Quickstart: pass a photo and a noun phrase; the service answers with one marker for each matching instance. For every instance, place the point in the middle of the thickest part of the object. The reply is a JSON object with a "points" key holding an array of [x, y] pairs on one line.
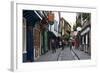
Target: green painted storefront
{"points": [[44, 42]]}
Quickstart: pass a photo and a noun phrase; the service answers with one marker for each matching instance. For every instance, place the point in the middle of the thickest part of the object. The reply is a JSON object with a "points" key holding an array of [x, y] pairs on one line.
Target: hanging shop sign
{"points": [[51, 18], [44, 21]]}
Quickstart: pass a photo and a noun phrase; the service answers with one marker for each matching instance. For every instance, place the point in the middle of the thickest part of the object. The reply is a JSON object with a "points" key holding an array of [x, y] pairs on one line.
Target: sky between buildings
{"points": [[68, 16]]}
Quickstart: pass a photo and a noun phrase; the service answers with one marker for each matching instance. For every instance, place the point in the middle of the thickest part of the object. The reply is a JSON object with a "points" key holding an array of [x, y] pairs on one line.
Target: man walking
{"points": [[53, 44]]}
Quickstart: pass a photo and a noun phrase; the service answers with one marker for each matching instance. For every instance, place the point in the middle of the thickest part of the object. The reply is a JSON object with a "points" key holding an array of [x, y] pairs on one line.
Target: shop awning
{"points": [[31, 17]]}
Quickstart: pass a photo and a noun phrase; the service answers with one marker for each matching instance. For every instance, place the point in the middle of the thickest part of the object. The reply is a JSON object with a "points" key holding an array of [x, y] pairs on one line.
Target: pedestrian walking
{"points": [[57, 43], [70, 44], [63, 44], [53, 44], [60, 44]]}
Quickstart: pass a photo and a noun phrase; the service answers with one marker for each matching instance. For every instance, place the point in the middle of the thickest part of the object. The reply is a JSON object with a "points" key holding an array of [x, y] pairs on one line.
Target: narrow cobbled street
{"points": [[65, 54]]}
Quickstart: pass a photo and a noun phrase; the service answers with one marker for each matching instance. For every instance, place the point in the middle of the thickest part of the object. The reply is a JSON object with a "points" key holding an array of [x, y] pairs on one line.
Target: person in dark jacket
{"points": [[63, 44], [53, 45], [60, 44], [70, 44]]}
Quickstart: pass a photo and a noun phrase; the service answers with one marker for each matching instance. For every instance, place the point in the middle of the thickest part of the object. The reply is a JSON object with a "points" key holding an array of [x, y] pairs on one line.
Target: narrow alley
{"points": [[56, 36]]}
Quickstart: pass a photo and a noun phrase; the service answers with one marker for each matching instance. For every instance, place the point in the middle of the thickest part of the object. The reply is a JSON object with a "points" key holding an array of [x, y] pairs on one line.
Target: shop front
{"points": [[44, 42], [31, 20], [86, 40]]}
